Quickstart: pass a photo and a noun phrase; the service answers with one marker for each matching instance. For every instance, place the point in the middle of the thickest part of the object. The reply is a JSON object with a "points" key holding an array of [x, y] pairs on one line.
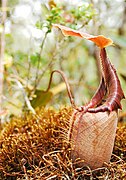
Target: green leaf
{"points": [[123, 76], [41, 99], [120, 40]]}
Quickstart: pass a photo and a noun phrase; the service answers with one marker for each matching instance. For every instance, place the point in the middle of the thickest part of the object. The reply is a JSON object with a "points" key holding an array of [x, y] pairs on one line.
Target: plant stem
{"points": [[2, 49], [53, 58], [39, 60], [29, 68], [29, 62]]}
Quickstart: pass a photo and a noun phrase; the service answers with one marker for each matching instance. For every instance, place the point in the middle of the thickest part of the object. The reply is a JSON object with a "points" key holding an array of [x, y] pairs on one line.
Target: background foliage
{"points": [[33, 49]]}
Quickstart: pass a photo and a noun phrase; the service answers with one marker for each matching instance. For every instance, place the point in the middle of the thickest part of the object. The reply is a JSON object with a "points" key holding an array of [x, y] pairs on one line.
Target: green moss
{"points": [[36, 147]]}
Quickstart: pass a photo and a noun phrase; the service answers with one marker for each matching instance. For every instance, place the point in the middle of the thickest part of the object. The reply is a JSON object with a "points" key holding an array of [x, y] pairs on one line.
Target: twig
{"points": [[29, 60], [29, 67], [39, 60], [43, 72], [54, 54], [25, 96], [2, 48]]}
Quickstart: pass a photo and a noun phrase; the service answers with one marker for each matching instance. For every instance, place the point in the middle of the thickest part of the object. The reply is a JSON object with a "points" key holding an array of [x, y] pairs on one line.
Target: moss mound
{"points": [[36, 147]]}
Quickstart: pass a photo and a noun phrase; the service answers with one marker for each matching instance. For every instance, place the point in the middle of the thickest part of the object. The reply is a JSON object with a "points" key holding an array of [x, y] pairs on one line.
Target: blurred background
{"points": [[33, 48]]}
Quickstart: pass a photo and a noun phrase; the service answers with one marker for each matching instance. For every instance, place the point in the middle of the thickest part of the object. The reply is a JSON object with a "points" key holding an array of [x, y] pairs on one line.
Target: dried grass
{"points": [[37, 148]]}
